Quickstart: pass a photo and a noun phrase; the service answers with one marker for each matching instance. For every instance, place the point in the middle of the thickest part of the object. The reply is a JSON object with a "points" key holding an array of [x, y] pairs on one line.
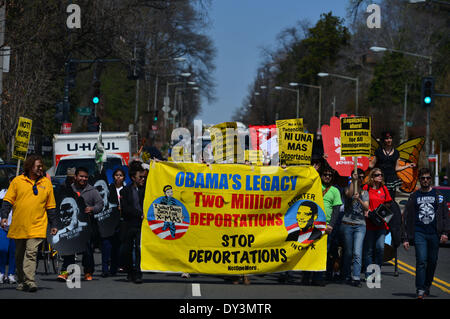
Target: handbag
{"points": [[381, 215]]}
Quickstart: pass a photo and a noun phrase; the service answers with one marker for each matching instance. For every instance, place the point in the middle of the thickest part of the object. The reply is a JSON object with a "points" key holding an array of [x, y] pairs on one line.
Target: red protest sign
{"points": [[331, 137]]}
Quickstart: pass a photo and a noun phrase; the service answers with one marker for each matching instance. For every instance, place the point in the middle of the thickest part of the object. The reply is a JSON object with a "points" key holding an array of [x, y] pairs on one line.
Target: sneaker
{"points": [[2, 278], [22, 287], [356, 283], [427, 292], [32, 287], [88, 277], [185, 275], [420, 294], [63, 275], [12, 279]]}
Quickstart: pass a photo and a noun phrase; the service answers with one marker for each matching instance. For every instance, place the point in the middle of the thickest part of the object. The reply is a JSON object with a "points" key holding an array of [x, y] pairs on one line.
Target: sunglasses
{"points": [[377, 174], [425, 178], [35, 190]]}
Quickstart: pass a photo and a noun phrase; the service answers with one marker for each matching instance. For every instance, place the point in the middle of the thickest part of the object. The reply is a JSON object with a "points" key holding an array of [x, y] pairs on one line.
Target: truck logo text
{"points": [[109, 146]]}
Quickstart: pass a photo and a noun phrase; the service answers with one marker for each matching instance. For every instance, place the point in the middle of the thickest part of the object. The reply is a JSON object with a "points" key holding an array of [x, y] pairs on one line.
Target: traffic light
{"points": [[96, 95], [155, 117], [427, 96]]}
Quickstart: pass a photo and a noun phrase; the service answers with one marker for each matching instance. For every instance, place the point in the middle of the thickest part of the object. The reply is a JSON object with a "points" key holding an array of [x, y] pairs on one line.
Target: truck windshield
{"points": [[88, 163]]}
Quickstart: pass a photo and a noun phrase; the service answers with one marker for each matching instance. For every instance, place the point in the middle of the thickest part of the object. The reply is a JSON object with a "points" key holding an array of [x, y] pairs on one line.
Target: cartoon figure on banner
{"points": [[305, 222], [169, 200], [103, 190], [69, 212], [168, 217], [108, 219]]}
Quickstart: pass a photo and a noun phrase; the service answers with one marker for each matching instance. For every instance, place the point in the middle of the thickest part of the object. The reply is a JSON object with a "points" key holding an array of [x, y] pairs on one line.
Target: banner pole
{"points": [[18, 167], [355, 171]]}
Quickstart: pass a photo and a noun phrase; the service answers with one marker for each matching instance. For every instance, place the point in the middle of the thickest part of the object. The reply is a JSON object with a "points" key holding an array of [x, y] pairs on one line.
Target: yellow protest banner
{"points": [[295, 147], [225, 143], [232, 219], [23, 134], [355, 136]]}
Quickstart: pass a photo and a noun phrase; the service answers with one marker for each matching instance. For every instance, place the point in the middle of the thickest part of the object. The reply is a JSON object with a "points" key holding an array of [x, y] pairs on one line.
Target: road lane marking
{"points": [[414, 269], [414, 274], [196, 290]]}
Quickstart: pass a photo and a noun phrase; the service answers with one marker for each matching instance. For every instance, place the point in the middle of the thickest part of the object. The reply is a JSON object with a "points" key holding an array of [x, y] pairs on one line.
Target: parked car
{"points": [[6, 171], [445, 191]]}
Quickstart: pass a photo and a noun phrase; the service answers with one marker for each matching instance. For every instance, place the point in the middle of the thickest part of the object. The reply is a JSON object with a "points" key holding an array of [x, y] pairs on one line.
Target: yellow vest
{"points": [[29, 218]]}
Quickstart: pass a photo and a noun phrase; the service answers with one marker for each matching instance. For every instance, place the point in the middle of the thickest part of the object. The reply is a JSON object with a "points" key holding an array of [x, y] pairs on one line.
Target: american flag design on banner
{"points": [[168, 218], [157, 226]]}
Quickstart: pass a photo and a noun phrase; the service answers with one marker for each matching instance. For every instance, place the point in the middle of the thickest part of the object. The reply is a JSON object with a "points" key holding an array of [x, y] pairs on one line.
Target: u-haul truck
{"points": [[78, 149]]}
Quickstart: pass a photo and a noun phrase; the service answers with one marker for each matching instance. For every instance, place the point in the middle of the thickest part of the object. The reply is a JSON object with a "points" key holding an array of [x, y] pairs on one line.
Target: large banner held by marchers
{"points": [[232, 219]]}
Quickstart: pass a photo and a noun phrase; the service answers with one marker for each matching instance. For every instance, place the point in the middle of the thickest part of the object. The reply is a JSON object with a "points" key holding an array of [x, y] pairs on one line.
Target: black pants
{"points": [[87, 261], [131, 247]]}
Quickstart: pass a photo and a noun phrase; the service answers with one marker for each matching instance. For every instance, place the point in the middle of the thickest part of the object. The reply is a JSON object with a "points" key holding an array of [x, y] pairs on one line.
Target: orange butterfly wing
{"points": [[409, 153]]}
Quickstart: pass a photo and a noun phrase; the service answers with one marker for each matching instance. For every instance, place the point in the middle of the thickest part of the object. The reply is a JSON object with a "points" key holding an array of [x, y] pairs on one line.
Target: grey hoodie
{"points": [[91, 197]]}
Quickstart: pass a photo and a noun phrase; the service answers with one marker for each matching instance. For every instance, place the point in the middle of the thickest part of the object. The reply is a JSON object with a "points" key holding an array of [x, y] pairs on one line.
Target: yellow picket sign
{"points": [[355, 136], [232, 219], [295, 147], [22, 139], [225, 143], [255, 157]]}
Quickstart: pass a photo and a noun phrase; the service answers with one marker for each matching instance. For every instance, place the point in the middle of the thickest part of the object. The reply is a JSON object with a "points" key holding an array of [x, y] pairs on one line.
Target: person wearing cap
{"points": [[387, 159]]}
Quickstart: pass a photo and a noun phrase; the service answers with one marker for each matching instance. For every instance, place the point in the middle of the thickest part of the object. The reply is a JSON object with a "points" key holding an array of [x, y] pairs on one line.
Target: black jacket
{"points": [[132, 213], [409, 218]]}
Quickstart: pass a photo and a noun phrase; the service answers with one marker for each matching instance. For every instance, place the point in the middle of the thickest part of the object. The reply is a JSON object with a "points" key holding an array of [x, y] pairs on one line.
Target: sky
{"points": [[239, 28]]}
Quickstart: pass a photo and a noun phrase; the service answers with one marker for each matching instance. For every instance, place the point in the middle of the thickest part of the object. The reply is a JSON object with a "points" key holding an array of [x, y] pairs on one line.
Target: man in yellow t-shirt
{"points": [[31, 198]]}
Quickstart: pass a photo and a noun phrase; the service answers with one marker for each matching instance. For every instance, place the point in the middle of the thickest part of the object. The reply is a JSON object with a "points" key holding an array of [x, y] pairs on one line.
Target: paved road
{"points": [[172, 286], [201, 287]]}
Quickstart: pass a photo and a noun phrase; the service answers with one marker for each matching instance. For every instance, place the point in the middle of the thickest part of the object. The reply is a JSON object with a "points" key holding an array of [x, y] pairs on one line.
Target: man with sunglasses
{"points": [[426, 223], [31, 198], [132, 204]]}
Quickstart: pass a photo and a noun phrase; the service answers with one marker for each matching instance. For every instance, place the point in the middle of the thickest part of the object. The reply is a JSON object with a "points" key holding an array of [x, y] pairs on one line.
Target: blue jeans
{"points": [[8, 257], [353, 237], [427, 248], [374, 247], [110, 254]]}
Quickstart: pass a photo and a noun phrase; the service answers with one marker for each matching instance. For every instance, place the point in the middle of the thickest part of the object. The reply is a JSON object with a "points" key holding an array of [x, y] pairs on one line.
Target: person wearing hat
{"points": [[387, 159]]}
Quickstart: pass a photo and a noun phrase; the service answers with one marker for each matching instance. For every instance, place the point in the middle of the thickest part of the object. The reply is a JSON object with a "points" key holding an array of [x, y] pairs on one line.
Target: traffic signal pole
{"points": [[427, 139]]}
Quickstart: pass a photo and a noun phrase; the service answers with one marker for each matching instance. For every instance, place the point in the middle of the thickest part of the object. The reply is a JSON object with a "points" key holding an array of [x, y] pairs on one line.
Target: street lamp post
{"points": [[430, 70], [292, 90], [320, 98], [322, 74], [181, 100]]}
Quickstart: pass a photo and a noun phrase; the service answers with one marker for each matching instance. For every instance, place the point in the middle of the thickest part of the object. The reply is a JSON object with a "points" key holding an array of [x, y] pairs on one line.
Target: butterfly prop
{"points": [[409, 153]]}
